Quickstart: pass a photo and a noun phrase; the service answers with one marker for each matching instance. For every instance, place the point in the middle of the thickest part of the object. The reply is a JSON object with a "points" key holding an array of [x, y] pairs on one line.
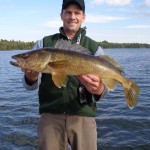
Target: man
{"points": [[68, 113]]}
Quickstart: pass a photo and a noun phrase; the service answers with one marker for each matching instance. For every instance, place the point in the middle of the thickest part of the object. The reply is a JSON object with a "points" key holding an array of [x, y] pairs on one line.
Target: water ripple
{"points": [[119, 128]]}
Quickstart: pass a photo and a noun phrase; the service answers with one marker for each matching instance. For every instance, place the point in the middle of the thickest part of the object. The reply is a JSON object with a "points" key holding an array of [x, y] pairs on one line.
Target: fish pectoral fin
{"points": [[58, 64], [112, 61], [59, 79], [109, 83]]}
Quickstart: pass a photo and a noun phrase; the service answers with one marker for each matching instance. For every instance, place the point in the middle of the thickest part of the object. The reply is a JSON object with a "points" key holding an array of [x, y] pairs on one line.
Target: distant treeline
{"points": [[20, 45], [106, 44], [15, 45]]}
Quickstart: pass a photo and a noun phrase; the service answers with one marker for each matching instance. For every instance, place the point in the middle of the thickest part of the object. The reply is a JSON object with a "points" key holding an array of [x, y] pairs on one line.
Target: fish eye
{"points": [[25, 56]]}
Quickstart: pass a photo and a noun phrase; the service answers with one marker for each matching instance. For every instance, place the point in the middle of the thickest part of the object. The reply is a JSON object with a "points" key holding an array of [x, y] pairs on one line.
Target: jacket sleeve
{"points": [[99, 51], [38, 44], [96, 98], [31, 87]]}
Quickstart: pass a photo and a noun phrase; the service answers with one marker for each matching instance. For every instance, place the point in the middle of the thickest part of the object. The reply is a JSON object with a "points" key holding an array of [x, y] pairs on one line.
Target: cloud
{"points": [[147, 3], [97, 1], [112, 2], [6, 1], [53, 23], [142, 14], [138, 27], [102, 19]]}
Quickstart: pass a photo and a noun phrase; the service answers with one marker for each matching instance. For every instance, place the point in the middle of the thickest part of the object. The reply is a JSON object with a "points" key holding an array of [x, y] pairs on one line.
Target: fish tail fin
{"points": [[131, 93]]}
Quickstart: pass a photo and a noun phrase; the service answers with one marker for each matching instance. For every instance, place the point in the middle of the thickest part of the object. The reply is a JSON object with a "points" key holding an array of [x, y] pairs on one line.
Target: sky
{"points": [[120, 21]]}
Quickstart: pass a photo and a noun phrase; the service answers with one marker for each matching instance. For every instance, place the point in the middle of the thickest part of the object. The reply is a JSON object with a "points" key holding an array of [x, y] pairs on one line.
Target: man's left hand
{"points": [[92, 83]]}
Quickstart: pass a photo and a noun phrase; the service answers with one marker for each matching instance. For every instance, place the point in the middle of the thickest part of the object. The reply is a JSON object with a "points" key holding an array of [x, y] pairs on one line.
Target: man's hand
{"points": [[92, 83], [30, 75]]}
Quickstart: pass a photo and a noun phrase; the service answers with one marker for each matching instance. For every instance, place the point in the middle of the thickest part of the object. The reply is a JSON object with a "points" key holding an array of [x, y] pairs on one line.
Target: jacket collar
{"points": [[81, 32]]}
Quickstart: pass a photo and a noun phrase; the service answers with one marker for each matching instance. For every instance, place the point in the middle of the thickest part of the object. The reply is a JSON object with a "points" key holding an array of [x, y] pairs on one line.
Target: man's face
{"points": [[72, 18]]}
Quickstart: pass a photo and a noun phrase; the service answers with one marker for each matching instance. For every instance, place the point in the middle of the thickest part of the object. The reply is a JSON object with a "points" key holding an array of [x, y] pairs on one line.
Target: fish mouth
{"points": [[14, 64]]}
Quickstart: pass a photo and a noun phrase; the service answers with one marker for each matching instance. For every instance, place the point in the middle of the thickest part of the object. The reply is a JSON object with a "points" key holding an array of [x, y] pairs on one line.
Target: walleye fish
{"points": [[71, 59]]}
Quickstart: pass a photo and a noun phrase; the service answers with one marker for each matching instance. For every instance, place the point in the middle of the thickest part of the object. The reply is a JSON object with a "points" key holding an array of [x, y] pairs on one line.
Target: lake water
{"points": [[119, 128]]}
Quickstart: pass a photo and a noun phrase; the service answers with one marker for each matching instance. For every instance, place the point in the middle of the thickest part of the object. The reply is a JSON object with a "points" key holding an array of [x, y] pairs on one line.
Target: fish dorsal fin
{"points": [[67, 45], [112, 61]]}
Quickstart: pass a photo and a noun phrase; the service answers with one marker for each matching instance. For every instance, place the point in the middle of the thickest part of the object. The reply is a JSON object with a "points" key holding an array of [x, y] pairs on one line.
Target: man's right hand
{"points": [[30, 76]]}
